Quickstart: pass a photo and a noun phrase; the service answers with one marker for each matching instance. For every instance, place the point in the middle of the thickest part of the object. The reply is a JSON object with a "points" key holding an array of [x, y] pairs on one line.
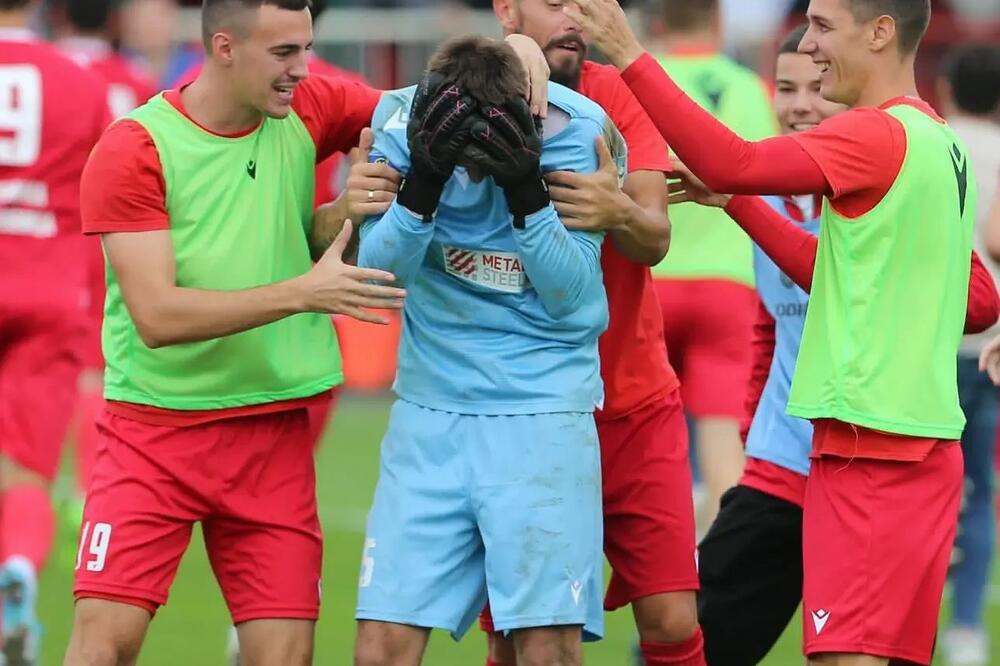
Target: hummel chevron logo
{"points": [[575, 588], [819, 619], [961, 165], [252, 169]]}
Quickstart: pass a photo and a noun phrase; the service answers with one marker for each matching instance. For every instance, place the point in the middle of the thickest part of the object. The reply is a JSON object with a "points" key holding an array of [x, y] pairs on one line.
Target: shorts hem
{"points": [[135, 600], [627, 598], [409, 620], [870, 649], [120, 591], [515, 623], [311, 614]]}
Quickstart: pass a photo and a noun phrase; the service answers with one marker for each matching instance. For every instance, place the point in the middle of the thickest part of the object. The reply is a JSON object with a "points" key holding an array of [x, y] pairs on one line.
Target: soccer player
{"points": [[705, 285], [490, 468], [84, 31], [44, 143], [750, 562], [216, 337], [969, 89], [648, 536], [876, 369]]}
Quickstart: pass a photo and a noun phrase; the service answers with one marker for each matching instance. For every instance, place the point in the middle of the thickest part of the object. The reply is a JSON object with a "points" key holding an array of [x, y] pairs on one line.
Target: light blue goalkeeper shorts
{"points": [[468, 505]]}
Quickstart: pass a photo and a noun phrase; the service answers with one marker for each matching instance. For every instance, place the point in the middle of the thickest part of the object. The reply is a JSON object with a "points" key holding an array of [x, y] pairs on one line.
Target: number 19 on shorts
{"points": [[96, 542]]}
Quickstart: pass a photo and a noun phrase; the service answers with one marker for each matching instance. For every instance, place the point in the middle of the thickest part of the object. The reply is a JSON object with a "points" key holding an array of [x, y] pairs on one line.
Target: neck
{"points": [[888, 83], [211, 103], [15, 18], [983, 118], [703, 39]]}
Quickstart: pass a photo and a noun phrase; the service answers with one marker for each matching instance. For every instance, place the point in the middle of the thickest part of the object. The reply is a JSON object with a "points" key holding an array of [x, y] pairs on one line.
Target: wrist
{"points": [[625, 55], [298, 294], [420, 193], [526, 197]]}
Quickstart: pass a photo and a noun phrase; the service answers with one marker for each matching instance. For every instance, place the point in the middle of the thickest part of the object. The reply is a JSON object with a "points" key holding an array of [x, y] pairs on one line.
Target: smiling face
{"points": [[798, 101], [840, 46], [267, 56], [559, 36]]}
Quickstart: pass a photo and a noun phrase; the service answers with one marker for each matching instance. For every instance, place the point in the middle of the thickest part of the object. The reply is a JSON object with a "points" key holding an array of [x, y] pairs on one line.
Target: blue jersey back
{"points": [[774, 435], [482, 333]]}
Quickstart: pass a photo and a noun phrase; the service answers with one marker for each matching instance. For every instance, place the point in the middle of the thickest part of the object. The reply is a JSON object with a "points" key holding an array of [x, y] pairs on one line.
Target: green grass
{"points": [[191, 629]]}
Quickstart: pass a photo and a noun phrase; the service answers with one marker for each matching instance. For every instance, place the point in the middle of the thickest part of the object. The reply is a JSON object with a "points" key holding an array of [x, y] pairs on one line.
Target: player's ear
{"points": [[222, 47], [883, 34], [506, 13]]}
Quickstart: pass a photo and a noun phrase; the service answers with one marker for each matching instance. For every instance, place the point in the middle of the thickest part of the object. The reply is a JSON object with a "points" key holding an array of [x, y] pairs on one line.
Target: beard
{"points": [[566, 71]]}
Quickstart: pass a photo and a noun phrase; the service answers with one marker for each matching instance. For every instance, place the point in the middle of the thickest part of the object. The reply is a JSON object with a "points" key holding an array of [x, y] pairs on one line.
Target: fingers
{"points": [[569, 210], [567, 179], [569, 195], [679, 198], [676, 186], [362, 315], [373, 275], [340, 242], [539, 87]]}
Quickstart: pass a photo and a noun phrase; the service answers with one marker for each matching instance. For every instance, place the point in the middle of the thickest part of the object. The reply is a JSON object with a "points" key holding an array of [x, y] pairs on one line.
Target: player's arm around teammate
{"points": [[634, 214]]}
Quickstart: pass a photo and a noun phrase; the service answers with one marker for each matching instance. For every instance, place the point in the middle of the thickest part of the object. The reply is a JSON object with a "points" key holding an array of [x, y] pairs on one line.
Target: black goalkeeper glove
{"points": [[436, 137], [507, 145]]}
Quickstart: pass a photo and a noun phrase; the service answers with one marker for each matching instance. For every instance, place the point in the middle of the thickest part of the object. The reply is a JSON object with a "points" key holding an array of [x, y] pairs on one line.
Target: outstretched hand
{"points": [[605, 25], [684, 187]]}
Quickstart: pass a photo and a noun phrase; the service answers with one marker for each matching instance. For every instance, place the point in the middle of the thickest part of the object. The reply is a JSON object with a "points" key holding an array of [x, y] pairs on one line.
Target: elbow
{"points": [[152, 331]]}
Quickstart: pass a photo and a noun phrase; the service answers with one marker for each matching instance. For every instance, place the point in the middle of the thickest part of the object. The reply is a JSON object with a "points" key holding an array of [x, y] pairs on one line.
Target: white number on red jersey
{"points": [[100, 539], [20, 115]]}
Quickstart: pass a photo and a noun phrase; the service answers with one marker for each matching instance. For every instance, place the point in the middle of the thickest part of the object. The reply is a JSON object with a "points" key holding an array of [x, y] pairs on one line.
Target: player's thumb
{"points": [[339, 244], [365, 144], [605, 161]]}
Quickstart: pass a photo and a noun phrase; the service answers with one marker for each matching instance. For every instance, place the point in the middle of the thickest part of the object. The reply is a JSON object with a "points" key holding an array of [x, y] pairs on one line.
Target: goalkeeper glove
{"points": [[436, 133], [507, 145]]}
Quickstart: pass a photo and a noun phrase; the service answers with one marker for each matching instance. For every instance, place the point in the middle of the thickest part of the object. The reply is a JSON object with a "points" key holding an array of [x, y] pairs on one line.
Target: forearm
{"points": [[721, 159], [397, 243], [560, 264], [179, 315], [644, 235], [790, 246]]}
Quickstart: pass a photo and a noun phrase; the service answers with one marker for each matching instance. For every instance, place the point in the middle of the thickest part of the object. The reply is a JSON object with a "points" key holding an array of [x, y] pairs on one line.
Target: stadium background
{"points": [[388, 42]]}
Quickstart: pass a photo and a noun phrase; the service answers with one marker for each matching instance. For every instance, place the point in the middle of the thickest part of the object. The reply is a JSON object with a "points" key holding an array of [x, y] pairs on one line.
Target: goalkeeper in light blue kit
{"points": [[490, 468]]}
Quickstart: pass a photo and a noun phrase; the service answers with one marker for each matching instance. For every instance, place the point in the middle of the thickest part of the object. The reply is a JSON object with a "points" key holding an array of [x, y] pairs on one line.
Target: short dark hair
{"points": [[790, 44], [88, 14], [973, 72], [8, 5], [215, 13], [681, 15], [487, 69], [911, 16]]}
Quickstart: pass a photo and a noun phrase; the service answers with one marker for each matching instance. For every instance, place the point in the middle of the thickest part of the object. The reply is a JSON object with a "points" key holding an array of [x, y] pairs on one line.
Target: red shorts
{"points": [[877, 539], [40, 365], [249, 480], [708, 326], [649, 533]]}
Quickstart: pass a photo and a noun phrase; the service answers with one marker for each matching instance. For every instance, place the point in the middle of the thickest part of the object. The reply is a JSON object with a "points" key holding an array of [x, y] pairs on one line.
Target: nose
{"points": [[803, 102], [808, 44], [299, 66]]}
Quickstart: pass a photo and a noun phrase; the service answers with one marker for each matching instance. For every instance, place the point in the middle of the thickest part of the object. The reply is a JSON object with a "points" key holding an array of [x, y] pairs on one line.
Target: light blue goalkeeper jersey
{"points": [[497, 320]]}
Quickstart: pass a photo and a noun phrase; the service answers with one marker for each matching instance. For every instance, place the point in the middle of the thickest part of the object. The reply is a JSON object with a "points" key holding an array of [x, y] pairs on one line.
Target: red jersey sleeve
{"points": [[763, 351], [984, 302], [334, 110], [860, 153], [122, 187], [647, 150]]}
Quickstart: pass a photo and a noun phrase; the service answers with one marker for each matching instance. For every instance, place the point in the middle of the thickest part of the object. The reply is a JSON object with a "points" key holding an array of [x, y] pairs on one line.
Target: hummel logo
{"points": [[961, 166], [252, 169], [819, 619], [575, 588]]}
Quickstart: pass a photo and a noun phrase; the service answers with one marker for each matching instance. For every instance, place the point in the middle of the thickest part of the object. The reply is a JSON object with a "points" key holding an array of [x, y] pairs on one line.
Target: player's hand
{"points": [[593, 201], [536, 68], [371, 187], [334, 287], [684, 187], [989, 360], [507, 145], [604, 23], [437, 133]]}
